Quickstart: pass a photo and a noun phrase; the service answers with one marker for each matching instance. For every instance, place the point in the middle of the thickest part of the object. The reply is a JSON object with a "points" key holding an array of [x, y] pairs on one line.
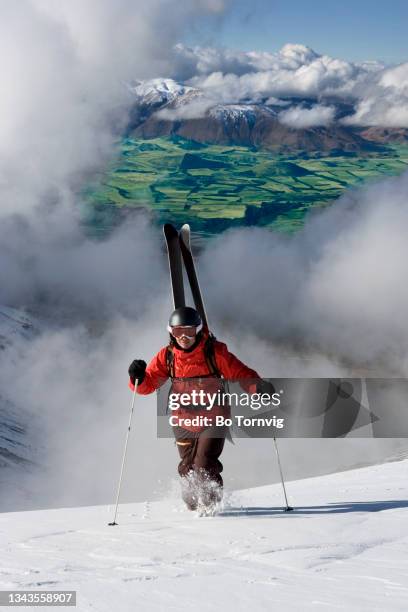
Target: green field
{"points": [[215, 187]]}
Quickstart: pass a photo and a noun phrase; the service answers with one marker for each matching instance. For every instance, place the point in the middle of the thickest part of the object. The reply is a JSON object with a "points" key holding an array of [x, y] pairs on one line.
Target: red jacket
{"points": [[193, 364], [189, 364]]}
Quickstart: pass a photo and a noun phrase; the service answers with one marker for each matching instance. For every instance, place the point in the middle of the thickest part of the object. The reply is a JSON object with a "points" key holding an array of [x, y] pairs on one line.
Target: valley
{"points": [[216, 187]]}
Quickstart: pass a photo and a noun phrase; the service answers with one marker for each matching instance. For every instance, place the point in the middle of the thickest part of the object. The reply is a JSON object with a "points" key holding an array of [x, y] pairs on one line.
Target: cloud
{"points": [[194, 61], [336, 287], [384, 111], [327, 301], [395, 78], [374, 94], [64, 99], [47, 265], [299, 117], [65, 69], [187, 109], [295, 70]]}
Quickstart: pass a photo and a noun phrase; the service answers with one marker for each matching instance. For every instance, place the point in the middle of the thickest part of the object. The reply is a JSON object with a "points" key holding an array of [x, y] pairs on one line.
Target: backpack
{"points": [[209, 354]]}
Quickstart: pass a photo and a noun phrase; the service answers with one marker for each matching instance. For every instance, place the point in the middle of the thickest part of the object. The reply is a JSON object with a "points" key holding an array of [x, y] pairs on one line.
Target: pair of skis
{"points": [[179, 253]]}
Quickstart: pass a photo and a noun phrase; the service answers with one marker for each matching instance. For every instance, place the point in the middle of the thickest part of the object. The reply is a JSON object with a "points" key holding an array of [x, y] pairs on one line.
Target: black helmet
{"points": [[185, 316]]}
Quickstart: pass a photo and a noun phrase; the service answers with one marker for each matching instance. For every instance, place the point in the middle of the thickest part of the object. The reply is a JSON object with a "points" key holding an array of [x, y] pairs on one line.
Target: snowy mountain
{"points": [[164, 107], [158, 91], [14, 324], [17, 453], [344, 547]]}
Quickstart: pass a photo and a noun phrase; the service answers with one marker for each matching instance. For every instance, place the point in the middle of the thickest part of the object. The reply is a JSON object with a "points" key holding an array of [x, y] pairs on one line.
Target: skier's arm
{"points": [[155, 375], [234, 369], [231, 367]]}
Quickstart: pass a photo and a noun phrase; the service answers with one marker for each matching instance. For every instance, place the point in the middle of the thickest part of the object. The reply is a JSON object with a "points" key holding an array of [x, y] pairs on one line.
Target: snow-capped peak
{"points": [[155, 91], [235, 112]]}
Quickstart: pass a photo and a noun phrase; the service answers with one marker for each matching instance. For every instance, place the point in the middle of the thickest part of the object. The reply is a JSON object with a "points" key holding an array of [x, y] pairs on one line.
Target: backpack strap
{"points": [[170, 360], [209, 353]]}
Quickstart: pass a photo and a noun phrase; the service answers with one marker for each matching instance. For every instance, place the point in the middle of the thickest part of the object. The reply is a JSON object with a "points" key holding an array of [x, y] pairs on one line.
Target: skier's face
{"points": [[184, 336]]}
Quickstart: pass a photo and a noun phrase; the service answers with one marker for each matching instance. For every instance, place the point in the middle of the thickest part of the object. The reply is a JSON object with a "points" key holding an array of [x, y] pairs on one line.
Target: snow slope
{"points": [[19, 431], [344, 547], [14, 324]]}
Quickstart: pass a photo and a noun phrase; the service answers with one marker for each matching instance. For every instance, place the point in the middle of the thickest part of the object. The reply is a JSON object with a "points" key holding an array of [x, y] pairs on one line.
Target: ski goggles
{"points": [[188, 331]]}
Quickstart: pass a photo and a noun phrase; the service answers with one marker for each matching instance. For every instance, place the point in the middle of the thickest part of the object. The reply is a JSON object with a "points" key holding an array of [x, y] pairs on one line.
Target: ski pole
{"points": [[288, 508], [124, 455]]}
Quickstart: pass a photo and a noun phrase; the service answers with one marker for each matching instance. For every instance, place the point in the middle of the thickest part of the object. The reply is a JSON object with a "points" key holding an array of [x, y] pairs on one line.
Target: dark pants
{"points": [[200, 467]]}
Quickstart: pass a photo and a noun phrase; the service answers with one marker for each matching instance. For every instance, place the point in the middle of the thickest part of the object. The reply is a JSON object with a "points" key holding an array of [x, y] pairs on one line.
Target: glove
{"points": [[263, 386], [137, 370]]}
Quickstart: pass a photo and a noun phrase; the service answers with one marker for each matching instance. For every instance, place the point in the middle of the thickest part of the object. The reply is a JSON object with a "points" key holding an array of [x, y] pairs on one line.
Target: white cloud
{"points": [[299, 117], [191, 108], [378, 93], [385, 110], [297, 54], [64, 67], [295, 70], [396, 77], [63, 101], [337, 286]]}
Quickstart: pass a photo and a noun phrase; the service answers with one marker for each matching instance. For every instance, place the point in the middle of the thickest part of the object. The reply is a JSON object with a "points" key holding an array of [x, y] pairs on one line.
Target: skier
{"points": [[193, 352]]}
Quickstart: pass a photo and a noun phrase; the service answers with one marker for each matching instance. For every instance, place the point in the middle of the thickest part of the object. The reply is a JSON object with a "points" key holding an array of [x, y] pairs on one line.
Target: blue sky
{"points": [[350, 29]]}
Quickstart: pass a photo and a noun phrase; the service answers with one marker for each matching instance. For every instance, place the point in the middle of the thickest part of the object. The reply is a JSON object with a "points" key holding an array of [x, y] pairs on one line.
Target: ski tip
{"points": [[169, 230], [185, 234]]}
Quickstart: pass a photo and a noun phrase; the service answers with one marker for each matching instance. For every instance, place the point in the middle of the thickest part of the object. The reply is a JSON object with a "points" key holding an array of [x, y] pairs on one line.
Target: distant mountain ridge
{"points": [[164, 107]]}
